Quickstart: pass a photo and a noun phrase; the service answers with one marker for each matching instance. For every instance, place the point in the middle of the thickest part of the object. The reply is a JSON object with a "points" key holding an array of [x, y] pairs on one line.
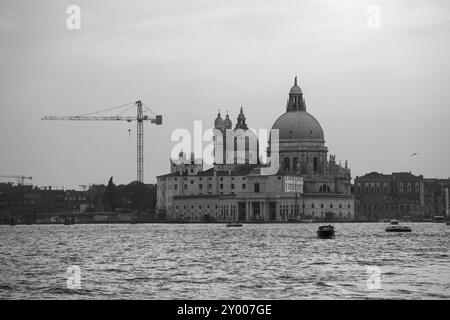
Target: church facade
{"points": [[308, 184]]}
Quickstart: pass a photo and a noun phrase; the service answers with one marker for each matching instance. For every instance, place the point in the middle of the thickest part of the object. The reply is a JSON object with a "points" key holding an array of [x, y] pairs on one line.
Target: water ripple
{"points": [[210, 261]]}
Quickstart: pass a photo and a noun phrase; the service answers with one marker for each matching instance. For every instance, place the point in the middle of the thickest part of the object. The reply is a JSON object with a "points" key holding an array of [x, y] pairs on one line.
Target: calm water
{"points": [[210, 261]]}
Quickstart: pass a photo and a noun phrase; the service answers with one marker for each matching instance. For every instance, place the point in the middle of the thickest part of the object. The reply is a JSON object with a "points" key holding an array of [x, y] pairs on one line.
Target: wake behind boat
{"points": [[398, 229]]}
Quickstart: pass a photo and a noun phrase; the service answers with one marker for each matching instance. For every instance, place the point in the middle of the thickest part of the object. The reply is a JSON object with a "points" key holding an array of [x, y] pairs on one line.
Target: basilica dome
{"points": [[298, 125]]}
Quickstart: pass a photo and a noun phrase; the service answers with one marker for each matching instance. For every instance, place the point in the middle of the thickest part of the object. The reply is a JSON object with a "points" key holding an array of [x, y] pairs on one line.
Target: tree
{"points": [[110, 195]]}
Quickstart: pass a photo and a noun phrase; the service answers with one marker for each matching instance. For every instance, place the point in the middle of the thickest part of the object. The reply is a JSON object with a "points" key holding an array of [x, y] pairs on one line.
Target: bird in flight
{"points": [[414, 154]]}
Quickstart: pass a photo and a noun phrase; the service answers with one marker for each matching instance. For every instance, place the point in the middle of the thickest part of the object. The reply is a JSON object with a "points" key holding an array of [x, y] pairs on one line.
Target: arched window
{"points": [[295, 164], [287, 164], [324, 188], [315, 164]]}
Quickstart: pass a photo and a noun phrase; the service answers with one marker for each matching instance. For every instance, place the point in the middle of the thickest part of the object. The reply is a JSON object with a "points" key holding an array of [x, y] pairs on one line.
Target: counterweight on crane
{"points": [[140, 118]]}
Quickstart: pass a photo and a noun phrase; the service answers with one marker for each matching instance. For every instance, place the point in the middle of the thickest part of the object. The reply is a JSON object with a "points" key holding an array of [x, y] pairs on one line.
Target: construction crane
{"points": [[20, 179], [139, 118]]}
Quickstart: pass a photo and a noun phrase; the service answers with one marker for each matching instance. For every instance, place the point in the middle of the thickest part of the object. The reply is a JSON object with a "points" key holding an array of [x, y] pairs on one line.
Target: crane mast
{"points": [[139, 118], [140, 142]]}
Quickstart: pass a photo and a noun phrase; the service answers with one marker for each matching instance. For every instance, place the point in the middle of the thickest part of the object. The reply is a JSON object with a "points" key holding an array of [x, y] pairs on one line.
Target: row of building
{"points": [[400, 195], [309, 184], [30, 204]]}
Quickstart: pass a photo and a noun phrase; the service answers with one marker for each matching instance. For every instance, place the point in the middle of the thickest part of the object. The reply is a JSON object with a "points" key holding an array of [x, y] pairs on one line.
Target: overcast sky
{"points": [[379, 94]]}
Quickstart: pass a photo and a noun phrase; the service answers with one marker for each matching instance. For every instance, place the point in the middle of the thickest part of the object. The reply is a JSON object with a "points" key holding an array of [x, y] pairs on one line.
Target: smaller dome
{"points": [[218, 121], [228, 124], [295, 89]]}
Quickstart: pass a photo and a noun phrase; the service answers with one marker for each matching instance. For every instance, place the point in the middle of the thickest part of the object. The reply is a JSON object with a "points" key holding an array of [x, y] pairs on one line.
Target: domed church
{"points": [[302, 149], [308, 186]]}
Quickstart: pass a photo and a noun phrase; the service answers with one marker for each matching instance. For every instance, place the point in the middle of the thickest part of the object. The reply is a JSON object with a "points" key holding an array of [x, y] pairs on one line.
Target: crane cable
{"points": [[107, 109], [148, 109]]}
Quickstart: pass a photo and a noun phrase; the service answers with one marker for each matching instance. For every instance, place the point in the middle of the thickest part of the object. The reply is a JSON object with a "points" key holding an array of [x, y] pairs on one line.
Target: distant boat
{"points": [[234, 224], [448, 223], [439, 219], [325, 232], [398, 229], [394, 222]]}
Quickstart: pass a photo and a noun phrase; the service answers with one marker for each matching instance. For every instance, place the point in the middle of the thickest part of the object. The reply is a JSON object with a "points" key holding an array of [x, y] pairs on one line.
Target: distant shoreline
{"points": [[198, 222]]}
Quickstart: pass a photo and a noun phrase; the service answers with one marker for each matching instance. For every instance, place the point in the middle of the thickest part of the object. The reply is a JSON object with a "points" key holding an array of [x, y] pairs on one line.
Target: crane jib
{"points": [[140, 118]]}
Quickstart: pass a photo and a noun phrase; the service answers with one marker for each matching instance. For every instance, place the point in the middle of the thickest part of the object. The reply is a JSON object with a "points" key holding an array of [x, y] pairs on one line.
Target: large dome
{"points": [[298, 125]]}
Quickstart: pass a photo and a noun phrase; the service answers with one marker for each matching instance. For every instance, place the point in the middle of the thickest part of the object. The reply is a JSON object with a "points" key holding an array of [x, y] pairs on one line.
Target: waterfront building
{"points": [[308, 184], [389, 196], [437, 200]]}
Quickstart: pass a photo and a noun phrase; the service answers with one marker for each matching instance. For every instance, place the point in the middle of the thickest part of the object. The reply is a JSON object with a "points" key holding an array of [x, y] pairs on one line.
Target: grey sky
{"points": [[380, 95]]}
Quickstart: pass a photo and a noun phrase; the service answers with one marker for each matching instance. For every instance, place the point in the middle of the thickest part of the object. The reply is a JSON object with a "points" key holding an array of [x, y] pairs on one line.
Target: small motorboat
{"points": [[325, 232], [394, 222], [234, 224], [397, 228]]}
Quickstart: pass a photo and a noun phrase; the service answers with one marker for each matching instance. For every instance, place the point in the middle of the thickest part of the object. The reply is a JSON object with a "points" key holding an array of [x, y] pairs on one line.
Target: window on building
{"points": [[256, 187], [321, 205], [185, 186], [175, 187], [295, 164], [417, 187], [408, 187], [221, 186], [232, 186], [401, 187], [200, 186], [315, 164], [243, 186], [287, 164], [209, 186]]}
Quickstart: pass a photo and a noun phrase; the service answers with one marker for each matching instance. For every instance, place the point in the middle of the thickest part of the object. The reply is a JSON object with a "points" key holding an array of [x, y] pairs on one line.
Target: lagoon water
{"points": [[211, 261]]}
